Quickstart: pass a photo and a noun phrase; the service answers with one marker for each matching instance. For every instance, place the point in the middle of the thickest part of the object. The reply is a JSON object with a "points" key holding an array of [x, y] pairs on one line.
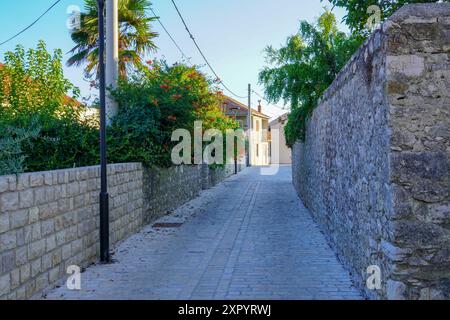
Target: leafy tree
{"points": [[33, 81], [34, 94], [135, 36], [358, 13], [301, 70]]}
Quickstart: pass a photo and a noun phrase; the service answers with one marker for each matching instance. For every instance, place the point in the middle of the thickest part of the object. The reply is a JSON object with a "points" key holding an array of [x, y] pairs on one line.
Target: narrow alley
{"points": [[250, 237]]}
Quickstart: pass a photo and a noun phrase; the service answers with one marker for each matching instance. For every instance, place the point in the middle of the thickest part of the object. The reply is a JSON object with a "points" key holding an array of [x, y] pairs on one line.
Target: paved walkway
{"points": [[248, 238]]}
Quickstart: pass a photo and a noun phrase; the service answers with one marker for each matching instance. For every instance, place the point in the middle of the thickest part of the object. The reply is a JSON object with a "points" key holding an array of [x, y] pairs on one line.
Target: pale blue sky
{"points": [[232, 33]]}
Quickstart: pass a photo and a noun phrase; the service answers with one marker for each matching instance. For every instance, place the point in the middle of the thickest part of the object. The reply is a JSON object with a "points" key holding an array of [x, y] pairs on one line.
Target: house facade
{"points": [[280, 153], [260, 138]]}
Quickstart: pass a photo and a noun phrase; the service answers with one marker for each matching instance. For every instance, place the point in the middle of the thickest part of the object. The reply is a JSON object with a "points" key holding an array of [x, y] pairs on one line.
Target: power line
{"points": [[201, 53], [170, 36], [32, 24]]}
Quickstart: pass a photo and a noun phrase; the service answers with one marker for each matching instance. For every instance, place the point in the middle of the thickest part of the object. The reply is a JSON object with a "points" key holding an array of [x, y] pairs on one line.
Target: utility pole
{"points": [[112, 55], [249, 126], [104, 201]]}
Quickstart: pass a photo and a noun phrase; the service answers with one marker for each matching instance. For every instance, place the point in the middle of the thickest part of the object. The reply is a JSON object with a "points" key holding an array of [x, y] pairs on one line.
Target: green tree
{"points": [[358, 13], [33, 81], [35, 94], [135, 36], [301, 70]]}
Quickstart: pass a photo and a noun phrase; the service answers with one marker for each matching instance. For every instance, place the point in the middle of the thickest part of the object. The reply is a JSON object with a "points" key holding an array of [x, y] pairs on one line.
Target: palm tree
{"points": [[135, 36]]}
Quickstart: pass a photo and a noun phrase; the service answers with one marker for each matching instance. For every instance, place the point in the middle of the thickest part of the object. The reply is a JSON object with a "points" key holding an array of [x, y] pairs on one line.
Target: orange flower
{"points": [[154, 101], [165, 87], [176, 97], [192, 75]]}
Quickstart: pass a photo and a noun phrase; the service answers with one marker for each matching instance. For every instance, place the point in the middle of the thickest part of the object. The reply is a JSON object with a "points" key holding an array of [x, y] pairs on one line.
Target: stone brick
{"points": [[50, 243], [66, 251], [25, 272], [56, 257], [4, 223], [19, 218], [36, 249], [26, 198], [36, 179], [4, 184], [408, 65], [9, 201], [15, 278], [63, 177], [23, 181], [34, 215], [21, 256], [54, 274], [73, 189], [47, 227], [48, 178], [39, 196], [42, 281], [47, 261], [48, 210], [8, 260], [5, 284], [36, 267], [30, 288], [8, 240]]}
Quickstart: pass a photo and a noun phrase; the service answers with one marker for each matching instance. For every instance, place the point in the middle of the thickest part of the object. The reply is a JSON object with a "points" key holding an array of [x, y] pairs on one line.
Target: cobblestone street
{"points": [[247, 238]]}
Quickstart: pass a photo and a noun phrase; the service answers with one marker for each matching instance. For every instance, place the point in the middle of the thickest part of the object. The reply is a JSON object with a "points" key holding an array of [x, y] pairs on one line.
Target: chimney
{"points": [[259, 107]]}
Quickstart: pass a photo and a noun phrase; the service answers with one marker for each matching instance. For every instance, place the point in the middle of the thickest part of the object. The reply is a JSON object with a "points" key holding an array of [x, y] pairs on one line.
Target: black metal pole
{"points": [[104, 206]]}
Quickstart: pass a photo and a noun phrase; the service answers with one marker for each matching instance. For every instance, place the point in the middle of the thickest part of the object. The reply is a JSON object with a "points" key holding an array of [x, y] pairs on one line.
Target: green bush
{"points": [[12, 140]]}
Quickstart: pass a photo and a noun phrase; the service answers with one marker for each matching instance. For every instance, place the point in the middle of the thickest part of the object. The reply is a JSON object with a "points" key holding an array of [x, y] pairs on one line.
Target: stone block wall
{"points": [[167, 189], [375, 166], [50, 220]]}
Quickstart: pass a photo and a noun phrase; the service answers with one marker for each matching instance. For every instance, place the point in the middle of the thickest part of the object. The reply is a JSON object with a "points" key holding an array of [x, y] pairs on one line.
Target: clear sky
{"points": [[232, 33]]}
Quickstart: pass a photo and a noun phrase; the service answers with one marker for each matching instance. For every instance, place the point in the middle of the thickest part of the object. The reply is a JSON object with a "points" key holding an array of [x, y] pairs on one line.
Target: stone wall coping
{"points": [[81, 173]]}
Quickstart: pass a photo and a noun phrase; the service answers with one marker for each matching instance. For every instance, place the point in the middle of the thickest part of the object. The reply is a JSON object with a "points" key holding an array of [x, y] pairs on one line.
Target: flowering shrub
{"points": [[155, 102]]}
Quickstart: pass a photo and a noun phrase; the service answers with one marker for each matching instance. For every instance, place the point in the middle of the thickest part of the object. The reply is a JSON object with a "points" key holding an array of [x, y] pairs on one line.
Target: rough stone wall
{"points": [[374, 169], [49, 221]]}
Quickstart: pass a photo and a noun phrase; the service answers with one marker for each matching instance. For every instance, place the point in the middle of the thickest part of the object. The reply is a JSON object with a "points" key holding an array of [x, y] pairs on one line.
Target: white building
{"points": [[260, 143], [280, 154]]}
